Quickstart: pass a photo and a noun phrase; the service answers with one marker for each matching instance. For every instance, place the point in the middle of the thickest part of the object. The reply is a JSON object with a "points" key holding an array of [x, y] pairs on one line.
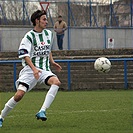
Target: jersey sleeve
{"points": [[25, 47]]}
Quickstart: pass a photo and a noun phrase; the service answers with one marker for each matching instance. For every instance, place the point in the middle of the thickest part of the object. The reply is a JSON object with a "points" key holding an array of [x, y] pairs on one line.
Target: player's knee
{"points": [[56, 82], [18, 96]]}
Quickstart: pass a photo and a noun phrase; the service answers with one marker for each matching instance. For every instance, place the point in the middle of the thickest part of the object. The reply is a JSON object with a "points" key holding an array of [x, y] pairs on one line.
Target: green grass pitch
{"points": [[72, 112]]}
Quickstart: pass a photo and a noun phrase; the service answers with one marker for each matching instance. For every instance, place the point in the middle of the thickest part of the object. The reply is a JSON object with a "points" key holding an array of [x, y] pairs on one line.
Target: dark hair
{"points": [[36, 15]]}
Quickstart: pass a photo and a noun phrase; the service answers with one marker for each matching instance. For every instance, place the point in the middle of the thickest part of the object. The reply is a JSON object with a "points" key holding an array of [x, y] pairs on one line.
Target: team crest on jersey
{"points": [[43, 43]]}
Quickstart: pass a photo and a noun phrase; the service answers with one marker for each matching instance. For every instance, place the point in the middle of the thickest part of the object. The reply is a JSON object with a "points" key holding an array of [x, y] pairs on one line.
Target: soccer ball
{"points": [[102, 65]]}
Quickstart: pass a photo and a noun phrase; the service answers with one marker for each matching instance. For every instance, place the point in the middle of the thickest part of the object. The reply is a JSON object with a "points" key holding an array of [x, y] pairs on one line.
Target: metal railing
{"points": [[69, 61]]}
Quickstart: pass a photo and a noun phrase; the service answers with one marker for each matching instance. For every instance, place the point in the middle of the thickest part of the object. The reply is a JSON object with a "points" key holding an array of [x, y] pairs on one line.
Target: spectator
{"points": [[59, 27]]}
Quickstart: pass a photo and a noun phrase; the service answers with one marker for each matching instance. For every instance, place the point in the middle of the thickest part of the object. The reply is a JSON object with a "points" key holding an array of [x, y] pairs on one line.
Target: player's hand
{"points": [[36, 73], [57, 66]]}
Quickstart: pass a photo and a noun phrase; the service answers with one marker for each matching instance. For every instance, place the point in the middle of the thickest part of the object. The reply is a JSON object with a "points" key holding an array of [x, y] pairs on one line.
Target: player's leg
{"points": [[25, 83], [54, 83], [12, 102]]}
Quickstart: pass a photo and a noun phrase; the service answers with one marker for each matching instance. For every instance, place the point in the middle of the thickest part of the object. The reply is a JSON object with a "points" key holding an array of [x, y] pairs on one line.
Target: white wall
{"points": [[80, 38]]}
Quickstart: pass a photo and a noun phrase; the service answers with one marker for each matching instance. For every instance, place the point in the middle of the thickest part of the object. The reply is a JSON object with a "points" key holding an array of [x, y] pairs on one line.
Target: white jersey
{"points": [[38, 47]]}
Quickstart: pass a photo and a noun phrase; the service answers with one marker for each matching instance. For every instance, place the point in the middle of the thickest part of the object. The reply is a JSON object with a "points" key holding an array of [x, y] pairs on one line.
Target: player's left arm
{"points": [[56, 65]]}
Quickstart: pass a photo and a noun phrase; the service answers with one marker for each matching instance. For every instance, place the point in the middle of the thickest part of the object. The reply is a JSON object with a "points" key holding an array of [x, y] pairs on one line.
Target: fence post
{"points": [[131, 8], [69, 76], [14, 74], [125, 75], [105, 46], [68, 27]]}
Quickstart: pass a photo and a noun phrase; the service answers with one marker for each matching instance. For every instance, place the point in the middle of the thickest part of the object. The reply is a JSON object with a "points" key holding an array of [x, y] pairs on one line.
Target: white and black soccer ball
{"points": [[102, 65]]}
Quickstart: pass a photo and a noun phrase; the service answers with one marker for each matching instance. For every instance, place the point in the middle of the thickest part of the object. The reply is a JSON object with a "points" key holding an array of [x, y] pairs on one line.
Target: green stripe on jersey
{"points": [[34, 39], [48, 41], [47, 61], [41, 37], [41, 63], [46, 33], [28, 37]]}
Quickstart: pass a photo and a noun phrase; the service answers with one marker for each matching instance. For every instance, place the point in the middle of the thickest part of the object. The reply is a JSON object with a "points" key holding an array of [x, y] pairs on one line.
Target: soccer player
{"points": [[35, 52]]}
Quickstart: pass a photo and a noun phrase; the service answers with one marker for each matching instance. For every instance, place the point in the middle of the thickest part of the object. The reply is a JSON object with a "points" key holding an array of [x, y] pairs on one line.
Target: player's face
{"points": [[42, 23]]}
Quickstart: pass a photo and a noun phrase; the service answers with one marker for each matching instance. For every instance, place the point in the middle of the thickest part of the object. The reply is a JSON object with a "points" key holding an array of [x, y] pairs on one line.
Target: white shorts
{"points": [[26, 76]]}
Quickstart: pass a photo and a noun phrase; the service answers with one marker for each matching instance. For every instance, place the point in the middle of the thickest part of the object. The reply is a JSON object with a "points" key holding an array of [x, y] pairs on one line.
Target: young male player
{"points": [[35, 51]]}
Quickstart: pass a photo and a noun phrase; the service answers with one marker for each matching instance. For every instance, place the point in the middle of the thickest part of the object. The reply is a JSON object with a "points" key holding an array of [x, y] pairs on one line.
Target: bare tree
{"points": [[16, 11]]}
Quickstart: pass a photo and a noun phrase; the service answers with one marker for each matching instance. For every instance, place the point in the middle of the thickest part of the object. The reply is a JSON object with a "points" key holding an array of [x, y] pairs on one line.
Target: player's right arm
{"points": [[24, 53], [34, 69]]}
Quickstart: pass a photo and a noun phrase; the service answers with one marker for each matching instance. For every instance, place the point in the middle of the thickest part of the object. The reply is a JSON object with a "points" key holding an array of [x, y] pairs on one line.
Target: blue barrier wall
{"points": [[69, 61]]}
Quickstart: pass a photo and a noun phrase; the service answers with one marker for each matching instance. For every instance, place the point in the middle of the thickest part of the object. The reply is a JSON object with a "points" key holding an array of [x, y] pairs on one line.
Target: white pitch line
{"points": [[83, 111], [68, 112]]}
